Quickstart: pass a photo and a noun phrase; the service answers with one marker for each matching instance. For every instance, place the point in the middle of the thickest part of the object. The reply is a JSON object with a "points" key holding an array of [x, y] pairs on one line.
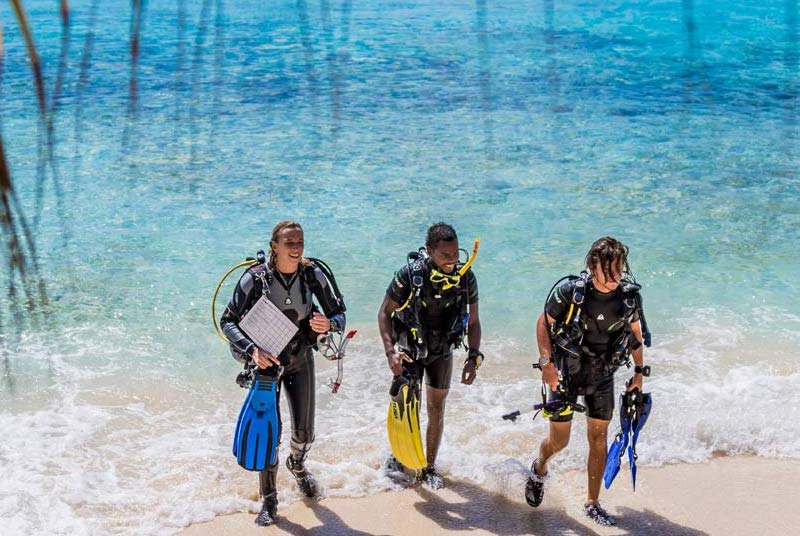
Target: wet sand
{"points": [[726, 496]]}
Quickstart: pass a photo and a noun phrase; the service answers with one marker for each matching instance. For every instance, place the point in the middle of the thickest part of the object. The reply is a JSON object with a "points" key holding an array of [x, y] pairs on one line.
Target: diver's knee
{"points": [[559, 440], [558, 444]]}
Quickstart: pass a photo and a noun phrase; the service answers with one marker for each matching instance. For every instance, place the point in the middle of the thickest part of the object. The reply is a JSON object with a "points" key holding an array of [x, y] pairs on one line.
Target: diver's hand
{"points": [[319, 323], [396, 361], [470, 372], [264, 359], [635, 382], [550, 376]]}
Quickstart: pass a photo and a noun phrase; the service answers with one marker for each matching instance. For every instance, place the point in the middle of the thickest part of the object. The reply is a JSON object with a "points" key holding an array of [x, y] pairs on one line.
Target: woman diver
{"points": [[291, 282]]}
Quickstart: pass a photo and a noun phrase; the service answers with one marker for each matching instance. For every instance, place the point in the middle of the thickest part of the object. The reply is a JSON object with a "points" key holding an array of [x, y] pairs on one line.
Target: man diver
{"points": [[291, 282], [428, 307], [590, 326]]}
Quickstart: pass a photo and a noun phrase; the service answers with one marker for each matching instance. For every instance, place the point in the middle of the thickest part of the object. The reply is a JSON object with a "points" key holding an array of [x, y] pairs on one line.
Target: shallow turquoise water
{"points": [[538, 133], [538, 126]]}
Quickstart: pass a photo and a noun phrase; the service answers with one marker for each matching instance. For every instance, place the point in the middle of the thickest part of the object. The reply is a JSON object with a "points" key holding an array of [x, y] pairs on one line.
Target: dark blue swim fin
{"points": [[258, 430], [640, 415], [617, 448]]}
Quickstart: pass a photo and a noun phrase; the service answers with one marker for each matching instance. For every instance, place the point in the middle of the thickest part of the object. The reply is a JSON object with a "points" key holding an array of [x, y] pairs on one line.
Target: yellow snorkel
{"points": [[449, 281], [468, 264]]}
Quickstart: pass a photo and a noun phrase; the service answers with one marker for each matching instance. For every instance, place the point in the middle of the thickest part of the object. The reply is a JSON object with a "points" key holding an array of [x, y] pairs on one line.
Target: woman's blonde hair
{"points": [[280, 226]]}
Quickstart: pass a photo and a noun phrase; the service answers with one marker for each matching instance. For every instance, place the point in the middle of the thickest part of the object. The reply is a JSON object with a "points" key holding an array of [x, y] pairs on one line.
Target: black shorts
{"points": [[437, 370], [437, 367], [596, 385]]}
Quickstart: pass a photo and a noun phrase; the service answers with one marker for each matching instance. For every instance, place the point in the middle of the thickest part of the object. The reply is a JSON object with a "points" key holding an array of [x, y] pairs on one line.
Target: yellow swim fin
{"points": [[402, 423]]}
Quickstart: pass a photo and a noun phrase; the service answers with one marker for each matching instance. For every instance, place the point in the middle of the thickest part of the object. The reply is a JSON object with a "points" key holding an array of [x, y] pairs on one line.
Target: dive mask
{"points": [[449, 281]]}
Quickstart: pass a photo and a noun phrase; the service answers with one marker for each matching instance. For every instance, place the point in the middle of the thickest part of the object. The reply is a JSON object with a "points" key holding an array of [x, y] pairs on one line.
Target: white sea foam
{"points": [[122, 447]]}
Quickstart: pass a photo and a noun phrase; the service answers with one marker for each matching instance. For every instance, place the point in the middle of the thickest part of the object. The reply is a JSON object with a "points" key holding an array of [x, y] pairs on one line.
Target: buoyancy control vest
{"points": [[567, 333], [262, 276], [409, 331]]}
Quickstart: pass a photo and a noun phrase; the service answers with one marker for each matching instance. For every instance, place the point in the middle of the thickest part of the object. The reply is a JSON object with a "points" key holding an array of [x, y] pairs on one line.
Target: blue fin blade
{"points": [[236, 439], [614, 457], [643, 411], [260, 428], [632, 462]]}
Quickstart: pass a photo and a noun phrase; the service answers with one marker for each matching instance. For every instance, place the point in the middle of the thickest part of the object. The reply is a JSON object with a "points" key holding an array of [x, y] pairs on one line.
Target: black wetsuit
{"points": [[293, 294], [603, 322], [439, 312]]}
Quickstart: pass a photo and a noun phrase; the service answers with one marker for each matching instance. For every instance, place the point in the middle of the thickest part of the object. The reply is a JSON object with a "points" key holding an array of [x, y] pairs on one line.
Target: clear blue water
{"points": [[538, 126]]}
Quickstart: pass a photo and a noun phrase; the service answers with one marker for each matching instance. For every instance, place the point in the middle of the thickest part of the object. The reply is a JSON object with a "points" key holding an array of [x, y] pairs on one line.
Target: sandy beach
{"points": [[726, 496]]}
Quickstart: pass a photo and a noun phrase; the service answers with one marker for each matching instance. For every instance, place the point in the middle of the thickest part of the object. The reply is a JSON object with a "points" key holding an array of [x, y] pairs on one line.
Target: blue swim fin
{"points": [[239, 423], [614, 457], [258, 430], [617, 448], [641, 411]]}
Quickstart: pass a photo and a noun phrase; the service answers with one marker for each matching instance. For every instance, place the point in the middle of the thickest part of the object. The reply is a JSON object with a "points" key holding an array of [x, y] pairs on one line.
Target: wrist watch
{"points": [[543, 361], [477, 355]]}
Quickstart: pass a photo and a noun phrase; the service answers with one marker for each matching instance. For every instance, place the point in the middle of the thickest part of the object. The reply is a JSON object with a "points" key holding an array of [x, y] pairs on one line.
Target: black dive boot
{"points": [[598, 514], [534, 487], [305, 480], [393, 465], [269, 493], [269, 511], [431, 477]]}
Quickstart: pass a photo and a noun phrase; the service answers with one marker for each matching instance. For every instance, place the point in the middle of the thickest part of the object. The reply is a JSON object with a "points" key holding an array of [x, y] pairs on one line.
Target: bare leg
{"points": [[436, 401], [596, 433], [552, 444]]}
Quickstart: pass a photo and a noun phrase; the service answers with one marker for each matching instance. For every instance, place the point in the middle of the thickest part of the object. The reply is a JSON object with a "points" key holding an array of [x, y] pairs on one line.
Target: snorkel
{"points": [[449, 281], [471, 259]]}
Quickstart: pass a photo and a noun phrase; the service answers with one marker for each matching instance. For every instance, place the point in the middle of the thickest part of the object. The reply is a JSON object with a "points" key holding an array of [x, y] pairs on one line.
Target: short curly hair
{"points": [[440, 232]]}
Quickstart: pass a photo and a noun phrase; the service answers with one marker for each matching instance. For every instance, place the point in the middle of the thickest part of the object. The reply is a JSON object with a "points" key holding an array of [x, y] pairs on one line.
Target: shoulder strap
{"points": [[313, 284], [578, 296], [262, 275], [633, 302], [416, 270], [569, 278], [461, 323], [629, 292]]}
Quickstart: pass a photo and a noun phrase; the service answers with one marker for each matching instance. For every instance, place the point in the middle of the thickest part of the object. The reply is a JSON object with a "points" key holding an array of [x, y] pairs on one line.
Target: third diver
{"points": [[591, 325]]}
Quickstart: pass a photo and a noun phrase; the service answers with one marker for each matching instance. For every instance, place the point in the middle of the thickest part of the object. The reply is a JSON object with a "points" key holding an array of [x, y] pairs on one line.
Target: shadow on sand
{"points": [[332, 524], [648, 523], [493, 513], [477, 509], [481, 510]]}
